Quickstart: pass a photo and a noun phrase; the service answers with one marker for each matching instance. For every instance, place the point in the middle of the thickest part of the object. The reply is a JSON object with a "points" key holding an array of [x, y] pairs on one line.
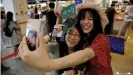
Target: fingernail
{"points": [[24, 37]]}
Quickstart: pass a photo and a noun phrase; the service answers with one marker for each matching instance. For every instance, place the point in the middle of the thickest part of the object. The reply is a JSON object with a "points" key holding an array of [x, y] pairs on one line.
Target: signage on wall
{"points": [[78, 2], [68, 11]]}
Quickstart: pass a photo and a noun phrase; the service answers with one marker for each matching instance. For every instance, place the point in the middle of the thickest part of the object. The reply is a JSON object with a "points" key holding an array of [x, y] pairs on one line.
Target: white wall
{"points": [[16, 6], [8, 6]]}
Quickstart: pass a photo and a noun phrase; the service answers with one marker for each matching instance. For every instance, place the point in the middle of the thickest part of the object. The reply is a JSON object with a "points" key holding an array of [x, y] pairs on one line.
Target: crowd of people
{"points": [[85, 49], [44, 13]]}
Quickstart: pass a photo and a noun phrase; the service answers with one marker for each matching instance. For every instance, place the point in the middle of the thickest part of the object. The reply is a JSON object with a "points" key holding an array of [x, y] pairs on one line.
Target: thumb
{"points": [[24, 44]]}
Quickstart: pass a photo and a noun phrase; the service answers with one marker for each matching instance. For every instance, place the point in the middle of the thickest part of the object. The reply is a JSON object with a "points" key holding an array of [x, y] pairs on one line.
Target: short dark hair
{"points": [[112, 5], [51, 5]]}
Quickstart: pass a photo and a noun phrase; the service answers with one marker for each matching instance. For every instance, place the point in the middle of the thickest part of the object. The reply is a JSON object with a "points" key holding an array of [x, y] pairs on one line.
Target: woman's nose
{"points": [[85, 21], [72, 37]]}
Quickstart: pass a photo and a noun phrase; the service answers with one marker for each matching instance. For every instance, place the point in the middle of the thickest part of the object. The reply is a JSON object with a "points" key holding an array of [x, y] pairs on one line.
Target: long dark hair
{"points": [[97, 29], [97, 26], [9, 17], [2, 14], [63, 48]]}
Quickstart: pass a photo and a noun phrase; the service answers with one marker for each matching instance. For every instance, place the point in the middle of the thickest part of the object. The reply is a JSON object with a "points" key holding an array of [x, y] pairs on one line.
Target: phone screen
{"points": [[32, 30], [31, 38]]}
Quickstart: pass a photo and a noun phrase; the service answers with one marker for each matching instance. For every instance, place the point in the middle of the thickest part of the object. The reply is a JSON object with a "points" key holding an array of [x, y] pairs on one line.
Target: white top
{"points": [[129, 11]]}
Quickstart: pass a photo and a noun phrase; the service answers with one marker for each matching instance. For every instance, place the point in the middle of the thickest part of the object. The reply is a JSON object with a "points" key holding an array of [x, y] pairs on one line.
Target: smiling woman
{"points": [[73, 37], [71, 44]]}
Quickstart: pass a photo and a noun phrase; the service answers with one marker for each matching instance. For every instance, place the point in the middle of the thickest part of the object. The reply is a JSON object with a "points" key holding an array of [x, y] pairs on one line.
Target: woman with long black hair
{"points": [[71, 42], [10, 26], [3, 67]]}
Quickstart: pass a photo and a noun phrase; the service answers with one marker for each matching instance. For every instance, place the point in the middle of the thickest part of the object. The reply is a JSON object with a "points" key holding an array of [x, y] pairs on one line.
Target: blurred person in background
{"points": [[39, 7], [3, 19], [51, 17], [3, 68], [44, 28], [44, 11], [16, 35], [110, 12], [36, 15], [128, 21], [31, 12]]}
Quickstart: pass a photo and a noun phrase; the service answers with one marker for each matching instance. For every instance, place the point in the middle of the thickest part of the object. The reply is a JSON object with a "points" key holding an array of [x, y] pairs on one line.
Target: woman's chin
{"points": [[71, 45], [86, 31]]}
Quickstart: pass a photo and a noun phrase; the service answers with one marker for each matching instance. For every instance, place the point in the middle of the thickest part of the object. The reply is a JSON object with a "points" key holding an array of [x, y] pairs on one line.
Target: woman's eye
{"points": [[90, 19], [70, 32], [82, 18], [77, 35]]}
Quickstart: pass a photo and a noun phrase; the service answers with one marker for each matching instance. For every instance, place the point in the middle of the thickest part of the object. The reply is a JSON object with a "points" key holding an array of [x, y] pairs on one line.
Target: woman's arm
{"points": [[73, 59], [14, 25], [47, 38], [58, 14], [59, 20], [39, 58]]}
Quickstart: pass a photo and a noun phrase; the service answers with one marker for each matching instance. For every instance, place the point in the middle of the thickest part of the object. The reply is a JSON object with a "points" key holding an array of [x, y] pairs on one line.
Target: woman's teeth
{"points": [[86, 27]]}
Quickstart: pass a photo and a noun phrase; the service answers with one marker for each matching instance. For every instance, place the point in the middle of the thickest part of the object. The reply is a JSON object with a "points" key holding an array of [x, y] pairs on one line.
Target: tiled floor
{"points": [[122, 64]]}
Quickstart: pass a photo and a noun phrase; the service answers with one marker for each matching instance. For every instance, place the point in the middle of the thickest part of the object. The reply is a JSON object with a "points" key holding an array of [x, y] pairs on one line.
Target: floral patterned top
{"points": [[100, 64]]}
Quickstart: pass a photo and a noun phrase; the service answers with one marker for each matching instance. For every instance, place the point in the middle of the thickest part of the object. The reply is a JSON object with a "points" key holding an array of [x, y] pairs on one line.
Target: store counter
{"points": [[118, 21], [54, 49]]}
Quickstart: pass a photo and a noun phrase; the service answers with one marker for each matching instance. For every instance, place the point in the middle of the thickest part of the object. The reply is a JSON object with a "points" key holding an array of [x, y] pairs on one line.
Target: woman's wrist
{"points": [[50, 35]]}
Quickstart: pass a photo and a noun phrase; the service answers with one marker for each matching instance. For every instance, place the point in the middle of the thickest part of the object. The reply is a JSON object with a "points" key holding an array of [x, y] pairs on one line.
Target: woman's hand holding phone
{"points": [[34, 58]]}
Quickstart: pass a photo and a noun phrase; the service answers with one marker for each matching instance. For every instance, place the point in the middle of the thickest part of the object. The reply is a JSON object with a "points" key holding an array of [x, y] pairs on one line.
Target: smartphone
{"points": [[31, 39], [32, 32]]}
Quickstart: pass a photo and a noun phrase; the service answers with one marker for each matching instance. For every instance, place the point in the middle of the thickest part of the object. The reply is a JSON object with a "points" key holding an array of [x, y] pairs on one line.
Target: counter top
{"points": [[119, 19]]}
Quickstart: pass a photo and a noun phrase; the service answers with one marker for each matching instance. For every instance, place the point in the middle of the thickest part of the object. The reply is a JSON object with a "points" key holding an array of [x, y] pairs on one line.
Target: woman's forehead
{"points": [[74, 29], [88, 14]]}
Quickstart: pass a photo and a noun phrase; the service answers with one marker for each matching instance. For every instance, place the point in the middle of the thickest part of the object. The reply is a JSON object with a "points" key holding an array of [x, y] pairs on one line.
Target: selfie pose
{"points": [[72, 42], [95, 47]]}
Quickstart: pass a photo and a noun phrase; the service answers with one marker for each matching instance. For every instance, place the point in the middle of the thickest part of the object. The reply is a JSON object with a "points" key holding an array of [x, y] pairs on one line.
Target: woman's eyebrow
{"points": [[89, 17], [76, 32]]}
